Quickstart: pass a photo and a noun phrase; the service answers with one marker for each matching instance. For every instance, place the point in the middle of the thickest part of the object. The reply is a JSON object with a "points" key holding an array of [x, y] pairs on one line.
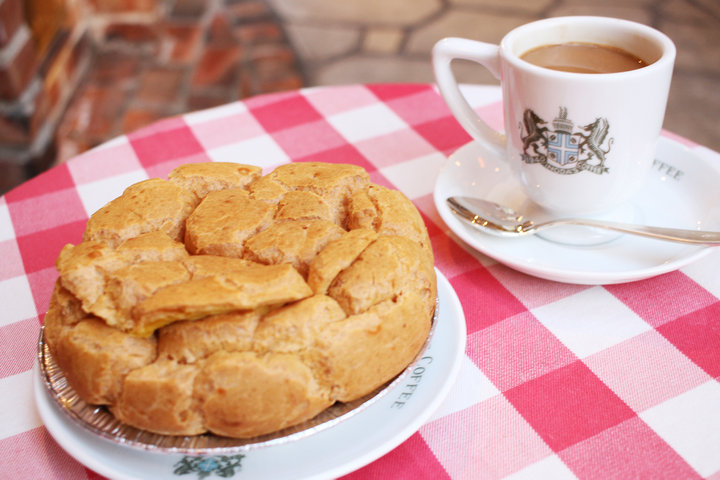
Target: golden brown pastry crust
{"points": [[225, 301]]}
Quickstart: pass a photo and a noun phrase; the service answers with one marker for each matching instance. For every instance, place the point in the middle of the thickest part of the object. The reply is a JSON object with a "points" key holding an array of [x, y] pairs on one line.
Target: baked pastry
{"points": [[226, 301]]}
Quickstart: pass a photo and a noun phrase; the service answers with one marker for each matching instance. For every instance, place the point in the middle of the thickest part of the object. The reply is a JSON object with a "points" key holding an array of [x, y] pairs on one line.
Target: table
{"points": [[558, 380]]}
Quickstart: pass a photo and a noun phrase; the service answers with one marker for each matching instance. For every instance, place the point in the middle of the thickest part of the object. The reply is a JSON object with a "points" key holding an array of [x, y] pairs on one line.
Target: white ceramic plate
{"points": [[328, 453], [689, 199]]}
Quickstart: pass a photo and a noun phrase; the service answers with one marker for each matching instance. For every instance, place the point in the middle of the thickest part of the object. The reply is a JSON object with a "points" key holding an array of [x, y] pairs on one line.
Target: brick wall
{"points": [[44, 51], [46, 48]]}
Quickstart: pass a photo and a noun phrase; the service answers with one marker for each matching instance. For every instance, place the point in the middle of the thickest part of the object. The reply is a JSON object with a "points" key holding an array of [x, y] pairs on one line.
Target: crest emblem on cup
{"points": [[564, 148]]}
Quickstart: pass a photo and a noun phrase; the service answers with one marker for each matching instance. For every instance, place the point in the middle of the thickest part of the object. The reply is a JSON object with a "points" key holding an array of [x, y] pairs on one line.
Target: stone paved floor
{"points": [[390, 40], [207, 53]]}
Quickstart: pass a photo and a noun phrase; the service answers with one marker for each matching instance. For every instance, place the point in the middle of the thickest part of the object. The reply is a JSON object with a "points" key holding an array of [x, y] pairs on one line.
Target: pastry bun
{"points": [[221, 300]]}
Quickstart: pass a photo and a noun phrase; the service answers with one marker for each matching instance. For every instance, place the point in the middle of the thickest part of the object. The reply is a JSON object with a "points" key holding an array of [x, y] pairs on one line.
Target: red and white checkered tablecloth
{"points": [[558, 381]]}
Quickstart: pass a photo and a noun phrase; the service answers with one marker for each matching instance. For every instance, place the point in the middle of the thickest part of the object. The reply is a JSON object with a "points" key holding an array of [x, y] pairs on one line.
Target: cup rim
{"points": [[665, 44]]}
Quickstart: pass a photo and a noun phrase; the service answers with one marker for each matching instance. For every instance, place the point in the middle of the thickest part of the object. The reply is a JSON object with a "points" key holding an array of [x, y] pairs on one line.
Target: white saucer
{"points": [[690, 199], [329, 453]]}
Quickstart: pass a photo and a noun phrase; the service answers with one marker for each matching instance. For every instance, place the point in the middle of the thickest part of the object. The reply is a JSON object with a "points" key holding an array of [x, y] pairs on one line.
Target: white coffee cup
{"points": [[580, 143]]}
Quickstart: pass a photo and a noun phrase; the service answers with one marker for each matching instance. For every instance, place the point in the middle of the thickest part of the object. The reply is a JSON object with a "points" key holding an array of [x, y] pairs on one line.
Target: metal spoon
{"points": [[499, 220]]}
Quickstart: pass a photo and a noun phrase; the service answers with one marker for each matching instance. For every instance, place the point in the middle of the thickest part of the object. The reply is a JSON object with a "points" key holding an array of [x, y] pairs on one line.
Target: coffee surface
{"points": [[583, 58]]}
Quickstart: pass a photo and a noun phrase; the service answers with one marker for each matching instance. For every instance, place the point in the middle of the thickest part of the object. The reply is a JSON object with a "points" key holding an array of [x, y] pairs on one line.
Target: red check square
{"points": [[485, 301], [568, 405], [445, 134], [286, 113], [40, 249], [165, 145], [697, 335], [630, 449]]}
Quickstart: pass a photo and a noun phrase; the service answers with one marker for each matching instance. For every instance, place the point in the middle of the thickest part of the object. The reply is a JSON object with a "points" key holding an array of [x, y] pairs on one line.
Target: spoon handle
{"points": [[661, 233]]}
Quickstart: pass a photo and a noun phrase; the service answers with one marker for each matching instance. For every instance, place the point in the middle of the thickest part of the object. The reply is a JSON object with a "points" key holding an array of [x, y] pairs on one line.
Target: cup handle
{"points": [[487, 55]]}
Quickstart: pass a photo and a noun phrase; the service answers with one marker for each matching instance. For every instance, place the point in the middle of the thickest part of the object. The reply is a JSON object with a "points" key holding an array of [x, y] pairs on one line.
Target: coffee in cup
{"points": [[581, 57]]}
